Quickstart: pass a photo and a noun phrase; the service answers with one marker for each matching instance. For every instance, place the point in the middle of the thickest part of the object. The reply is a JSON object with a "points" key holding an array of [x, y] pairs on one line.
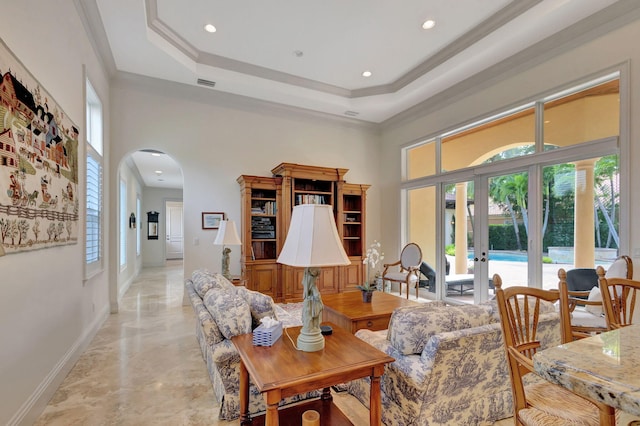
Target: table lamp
{"points": [[312, 242], [227, 236]]}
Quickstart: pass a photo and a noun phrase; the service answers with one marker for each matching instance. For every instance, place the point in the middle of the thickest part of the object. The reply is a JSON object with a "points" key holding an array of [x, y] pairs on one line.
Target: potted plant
{"points": [[371, 260]]}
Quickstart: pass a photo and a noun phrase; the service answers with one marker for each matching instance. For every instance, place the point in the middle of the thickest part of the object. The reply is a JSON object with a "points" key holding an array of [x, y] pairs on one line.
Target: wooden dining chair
{"points": [[525, 315], [618, 299], [409, 266]]}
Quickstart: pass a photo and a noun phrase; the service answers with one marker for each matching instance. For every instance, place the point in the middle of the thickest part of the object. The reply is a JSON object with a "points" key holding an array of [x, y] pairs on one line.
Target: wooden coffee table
{"points": [[348, 311], [280, 371]]}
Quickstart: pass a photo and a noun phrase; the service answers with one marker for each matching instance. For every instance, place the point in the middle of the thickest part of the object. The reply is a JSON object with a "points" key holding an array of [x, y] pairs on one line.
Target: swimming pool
{"points": [[505, 256]]}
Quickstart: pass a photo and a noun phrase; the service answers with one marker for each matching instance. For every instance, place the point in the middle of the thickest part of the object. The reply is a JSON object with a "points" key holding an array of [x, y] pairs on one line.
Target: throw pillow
{"points": [[260, 304], [594, 295], [202, 281], [618, 269], [229, 310]]}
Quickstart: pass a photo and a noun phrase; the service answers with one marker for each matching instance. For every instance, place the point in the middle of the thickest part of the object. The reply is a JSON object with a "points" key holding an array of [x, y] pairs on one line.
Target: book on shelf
{"points": [[310, 199], [269, 208], [263, 235]]}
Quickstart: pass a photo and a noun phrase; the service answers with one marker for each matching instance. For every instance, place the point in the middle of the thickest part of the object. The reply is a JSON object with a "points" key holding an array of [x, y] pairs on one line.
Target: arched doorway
{"points": [[149, 180]]}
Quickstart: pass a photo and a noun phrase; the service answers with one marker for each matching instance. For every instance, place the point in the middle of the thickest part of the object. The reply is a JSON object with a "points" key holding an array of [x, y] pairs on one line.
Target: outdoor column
{"points": [[584, 240], [461, 228]]}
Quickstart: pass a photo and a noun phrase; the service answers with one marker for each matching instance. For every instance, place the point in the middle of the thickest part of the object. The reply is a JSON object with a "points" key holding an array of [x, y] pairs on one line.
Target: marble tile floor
{"points": [[144, 366]]}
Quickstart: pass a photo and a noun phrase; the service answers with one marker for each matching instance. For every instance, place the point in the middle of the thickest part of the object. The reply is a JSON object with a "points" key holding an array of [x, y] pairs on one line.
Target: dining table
{"points": [[604, 367]]}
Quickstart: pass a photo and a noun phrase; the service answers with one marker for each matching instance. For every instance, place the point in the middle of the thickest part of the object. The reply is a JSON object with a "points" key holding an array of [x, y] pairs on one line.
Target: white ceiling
{"points": [[149, 165], [311, 55]]}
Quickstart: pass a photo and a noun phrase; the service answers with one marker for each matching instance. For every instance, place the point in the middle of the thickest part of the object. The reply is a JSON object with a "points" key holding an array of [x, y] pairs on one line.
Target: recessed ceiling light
{"points": [[366, 74], [428, 24], [210, 28], [158, 172]]}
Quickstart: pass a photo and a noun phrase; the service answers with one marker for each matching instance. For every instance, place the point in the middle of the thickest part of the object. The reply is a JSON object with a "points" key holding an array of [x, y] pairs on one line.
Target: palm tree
{"points": [[501, 191], [606, 173]]}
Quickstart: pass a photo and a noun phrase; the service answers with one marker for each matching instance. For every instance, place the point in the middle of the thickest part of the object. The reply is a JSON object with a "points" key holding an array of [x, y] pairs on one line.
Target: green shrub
{"points": [[450, 249]]}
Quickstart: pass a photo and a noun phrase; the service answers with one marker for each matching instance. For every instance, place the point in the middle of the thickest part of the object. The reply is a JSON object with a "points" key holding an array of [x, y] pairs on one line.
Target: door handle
{"points": [[482, 259]]}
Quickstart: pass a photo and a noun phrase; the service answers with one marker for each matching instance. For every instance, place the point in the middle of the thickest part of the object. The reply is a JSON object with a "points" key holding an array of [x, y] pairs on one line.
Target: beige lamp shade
{"points": [[313, 240], [227, 234]]}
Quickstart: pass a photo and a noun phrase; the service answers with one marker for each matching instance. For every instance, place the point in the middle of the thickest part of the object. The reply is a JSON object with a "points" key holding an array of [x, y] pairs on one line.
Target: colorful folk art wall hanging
{"points": [[38, 164]]}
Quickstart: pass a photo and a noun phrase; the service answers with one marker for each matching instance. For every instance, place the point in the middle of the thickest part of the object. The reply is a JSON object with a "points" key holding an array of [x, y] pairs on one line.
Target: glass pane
{"points": [[508, 228], [421, 160], [588, 115], [421, 222], [581, 216], [458, 237], [123, 223], [492, 141]]}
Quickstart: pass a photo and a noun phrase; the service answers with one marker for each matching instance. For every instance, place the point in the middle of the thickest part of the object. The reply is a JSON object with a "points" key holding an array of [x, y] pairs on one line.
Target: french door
{"points": [[481, 225]]}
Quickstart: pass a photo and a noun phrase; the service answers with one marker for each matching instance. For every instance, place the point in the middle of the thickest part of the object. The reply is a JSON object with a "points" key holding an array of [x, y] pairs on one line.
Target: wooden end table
{"points": [[281, 371], [347, 310]]}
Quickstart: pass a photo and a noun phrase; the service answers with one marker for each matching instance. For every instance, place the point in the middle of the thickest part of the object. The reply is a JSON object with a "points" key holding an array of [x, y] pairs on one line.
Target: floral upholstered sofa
{"points": [[223, 311], [450, 366]]}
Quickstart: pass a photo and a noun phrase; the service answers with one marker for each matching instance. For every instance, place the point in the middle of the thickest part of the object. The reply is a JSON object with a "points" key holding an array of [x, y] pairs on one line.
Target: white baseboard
{"points": [[124, 287], [37, 402]]}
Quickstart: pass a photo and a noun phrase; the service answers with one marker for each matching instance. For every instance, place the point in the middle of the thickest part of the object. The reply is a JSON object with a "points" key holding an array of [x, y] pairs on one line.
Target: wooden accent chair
{"points": [[539, 402], [585, 320], [409, 263], [618, 299]]}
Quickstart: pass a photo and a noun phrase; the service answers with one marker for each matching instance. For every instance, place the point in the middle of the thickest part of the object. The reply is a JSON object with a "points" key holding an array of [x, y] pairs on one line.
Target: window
{"points": [[421, 160], [582, 115], [123, 224], [564, 148], [138, 232], [93, 222]]}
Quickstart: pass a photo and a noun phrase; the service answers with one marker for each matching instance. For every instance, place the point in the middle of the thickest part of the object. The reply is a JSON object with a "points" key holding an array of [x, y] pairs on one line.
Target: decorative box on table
{"points": [[267, 336]]}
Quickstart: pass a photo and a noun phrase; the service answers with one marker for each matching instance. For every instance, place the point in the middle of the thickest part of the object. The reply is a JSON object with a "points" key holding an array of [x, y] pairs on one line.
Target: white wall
{"points": [[583, 60], [47, 312], [216, 138], [130, 270]]}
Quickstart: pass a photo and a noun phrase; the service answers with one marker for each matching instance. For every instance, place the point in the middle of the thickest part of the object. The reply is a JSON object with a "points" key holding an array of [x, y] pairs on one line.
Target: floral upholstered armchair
{"points": [[450, 365]]}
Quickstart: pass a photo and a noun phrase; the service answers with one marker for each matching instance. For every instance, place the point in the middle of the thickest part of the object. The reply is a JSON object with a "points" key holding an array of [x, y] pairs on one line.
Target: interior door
{"points": [[174, 238]]}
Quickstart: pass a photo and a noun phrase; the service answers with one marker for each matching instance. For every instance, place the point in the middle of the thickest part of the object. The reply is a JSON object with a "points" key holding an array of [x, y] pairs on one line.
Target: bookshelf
{"points": [[267, 204], [351, 225], [260, 242], [263, 224]]}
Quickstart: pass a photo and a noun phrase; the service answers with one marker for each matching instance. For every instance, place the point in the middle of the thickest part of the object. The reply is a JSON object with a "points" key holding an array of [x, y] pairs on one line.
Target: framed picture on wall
{"points": [[152, 225], [211, 220]]}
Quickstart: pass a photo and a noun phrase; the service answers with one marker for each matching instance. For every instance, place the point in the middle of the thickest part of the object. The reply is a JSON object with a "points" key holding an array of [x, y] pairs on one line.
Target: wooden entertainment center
{"points": [[267, 203]]}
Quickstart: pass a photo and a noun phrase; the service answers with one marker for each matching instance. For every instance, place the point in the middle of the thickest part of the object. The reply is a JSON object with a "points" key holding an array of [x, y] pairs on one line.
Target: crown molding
{"points": [[468, 39], [94, 29], [514, 9], [231, 100], [615, 16]]}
